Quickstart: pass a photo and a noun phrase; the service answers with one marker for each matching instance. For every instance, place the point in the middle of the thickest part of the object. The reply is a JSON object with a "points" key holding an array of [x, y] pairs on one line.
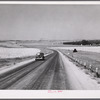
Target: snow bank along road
{"points": [[55, 73]]}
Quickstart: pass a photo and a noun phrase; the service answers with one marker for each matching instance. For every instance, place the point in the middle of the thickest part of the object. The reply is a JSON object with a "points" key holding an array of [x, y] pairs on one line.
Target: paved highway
{"points": [[39, 75], [56, 72]]}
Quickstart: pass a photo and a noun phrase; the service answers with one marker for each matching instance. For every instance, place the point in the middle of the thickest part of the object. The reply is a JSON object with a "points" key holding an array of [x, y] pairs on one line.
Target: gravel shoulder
{"points": [[77, 78]]}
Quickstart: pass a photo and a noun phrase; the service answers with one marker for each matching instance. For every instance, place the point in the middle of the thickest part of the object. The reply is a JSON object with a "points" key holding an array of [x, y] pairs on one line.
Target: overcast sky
{"points": [[62, 22]]}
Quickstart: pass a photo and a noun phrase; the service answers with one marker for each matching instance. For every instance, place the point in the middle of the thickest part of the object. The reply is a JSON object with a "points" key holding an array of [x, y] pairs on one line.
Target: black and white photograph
{"points": [[50, 47]]}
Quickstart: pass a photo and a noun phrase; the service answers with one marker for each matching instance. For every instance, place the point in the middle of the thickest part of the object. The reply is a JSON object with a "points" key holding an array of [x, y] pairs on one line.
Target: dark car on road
{"points": [[39, 56]]}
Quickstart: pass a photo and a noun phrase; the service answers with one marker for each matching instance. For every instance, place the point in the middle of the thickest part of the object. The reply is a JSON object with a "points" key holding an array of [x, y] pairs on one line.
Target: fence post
{"points": [[78, 61], [90, 67], [84, 64], [97, 74]]}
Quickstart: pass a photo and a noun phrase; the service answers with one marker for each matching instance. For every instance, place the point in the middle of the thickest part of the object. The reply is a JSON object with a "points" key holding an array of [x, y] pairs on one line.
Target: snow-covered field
{"points": [[83, 48], [17, 52]]}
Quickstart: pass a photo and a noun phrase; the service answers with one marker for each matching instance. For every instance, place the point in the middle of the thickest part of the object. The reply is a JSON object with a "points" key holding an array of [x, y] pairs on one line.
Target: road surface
{"points": [[47, 74], [50, 74]]}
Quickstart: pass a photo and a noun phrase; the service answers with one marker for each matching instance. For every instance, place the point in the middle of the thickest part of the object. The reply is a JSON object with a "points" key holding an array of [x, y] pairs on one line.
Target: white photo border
{"points": [[44, 94]]}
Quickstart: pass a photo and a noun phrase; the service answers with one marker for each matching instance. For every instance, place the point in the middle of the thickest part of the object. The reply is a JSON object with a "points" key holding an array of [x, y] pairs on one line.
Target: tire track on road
{"points": [[10, 79]]}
